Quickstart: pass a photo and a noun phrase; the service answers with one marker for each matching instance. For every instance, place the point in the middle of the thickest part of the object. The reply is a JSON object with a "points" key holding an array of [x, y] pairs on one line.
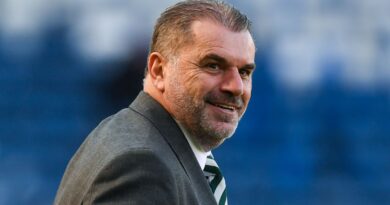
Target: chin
{"points": [[223, 130], [212, 135]]}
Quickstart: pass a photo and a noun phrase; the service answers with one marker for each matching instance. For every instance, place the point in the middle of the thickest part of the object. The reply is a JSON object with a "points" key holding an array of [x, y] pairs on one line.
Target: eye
{"points": [[245, 73], [213, 66]]}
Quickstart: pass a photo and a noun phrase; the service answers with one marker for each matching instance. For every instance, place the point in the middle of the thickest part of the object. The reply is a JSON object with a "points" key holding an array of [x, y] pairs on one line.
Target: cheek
{"points": [[196, 83], [247, 91]]}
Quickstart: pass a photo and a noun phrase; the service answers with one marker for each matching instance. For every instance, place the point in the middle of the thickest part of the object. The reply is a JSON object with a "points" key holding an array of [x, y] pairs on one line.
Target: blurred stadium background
{"points": [[316, 132]]}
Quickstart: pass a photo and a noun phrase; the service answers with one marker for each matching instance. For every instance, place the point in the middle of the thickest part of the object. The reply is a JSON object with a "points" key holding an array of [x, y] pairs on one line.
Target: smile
{"points": [[225, 106]]}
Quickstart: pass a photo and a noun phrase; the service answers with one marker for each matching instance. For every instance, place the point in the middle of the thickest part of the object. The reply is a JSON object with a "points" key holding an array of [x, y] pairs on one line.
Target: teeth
{"points": [[225, 106]]}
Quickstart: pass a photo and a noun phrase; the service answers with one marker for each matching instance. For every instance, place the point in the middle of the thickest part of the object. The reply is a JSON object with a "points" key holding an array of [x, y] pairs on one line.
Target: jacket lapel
{"points": [[152, 110]]}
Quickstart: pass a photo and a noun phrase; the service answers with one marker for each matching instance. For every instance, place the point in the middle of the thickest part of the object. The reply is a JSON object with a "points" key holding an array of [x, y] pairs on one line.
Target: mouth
{"points": [[225, 106]]}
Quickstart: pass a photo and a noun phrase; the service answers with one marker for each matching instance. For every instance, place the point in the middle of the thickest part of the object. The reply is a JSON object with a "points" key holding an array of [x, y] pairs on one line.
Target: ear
{"points": [[156, 65]]}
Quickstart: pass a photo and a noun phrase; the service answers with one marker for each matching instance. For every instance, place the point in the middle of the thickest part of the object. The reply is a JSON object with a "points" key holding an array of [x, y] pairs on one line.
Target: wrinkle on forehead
{"points": [[210, 37]]}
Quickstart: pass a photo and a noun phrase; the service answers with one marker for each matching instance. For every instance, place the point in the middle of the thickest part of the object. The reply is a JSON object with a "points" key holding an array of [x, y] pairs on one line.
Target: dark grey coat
{"points": [[137, 156]]}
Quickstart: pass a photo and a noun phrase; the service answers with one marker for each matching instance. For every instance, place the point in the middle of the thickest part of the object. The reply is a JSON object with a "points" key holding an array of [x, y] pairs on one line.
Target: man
{"points": [[197, 86]]}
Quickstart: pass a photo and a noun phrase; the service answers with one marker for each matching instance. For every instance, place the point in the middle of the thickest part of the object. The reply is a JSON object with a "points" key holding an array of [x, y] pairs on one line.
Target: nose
{"points": [[232, 82]]}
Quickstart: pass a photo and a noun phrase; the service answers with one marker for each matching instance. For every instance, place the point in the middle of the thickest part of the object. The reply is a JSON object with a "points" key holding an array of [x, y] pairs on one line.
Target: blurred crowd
{"points": [[316, 131]]}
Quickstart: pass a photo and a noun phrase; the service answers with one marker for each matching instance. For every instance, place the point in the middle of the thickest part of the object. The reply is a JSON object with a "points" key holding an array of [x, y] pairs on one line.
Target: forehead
{"points": [[210, 37]]}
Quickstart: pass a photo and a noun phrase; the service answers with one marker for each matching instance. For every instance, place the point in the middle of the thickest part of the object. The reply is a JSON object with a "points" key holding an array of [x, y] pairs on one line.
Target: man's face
{"points": [[209, 82]]}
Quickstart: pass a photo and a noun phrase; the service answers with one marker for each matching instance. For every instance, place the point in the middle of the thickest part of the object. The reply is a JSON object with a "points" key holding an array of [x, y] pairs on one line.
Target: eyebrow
{"points": [[215, 57], [222, 60]]}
